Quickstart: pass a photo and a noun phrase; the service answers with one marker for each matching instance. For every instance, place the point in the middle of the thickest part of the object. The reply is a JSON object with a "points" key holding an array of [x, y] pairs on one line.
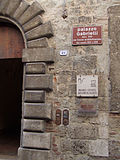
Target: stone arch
{"points": [[35, 142], [28, 20]]}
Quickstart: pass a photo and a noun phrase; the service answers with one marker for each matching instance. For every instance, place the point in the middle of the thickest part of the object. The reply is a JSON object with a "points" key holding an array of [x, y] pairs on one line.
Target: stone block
{"points": [[114, 134], [66, 77], [102, 85], [34, 96], [32, 23], [114, 149], [30, 13], [115, 104], [38, 110], [114, 122], [36, 140], [32, 154], [99, 148], [34, 125], [103, 119], [63, 131], [115, 66], [84, 64], [72, 90], [67, 156], [3, 5], [39, 81], [83, 131], [103, 104], [84, 157], [38, 43], [115, 91], [114, 9], [114, 34], [114, 72], [103, 132], [34, 68], [44, 30], [84, 19], [80, 147], [66, 145], [12, 6], [97, 158], [39, 55], [21, 9]]}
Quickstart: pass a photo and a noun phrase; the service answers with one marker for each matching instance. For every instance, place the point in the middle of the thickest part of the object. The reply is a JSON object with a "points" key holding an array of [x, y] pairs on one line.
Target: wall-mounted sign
{"points": [[87, 35], [66, 117], [64, 52], [58, 117], [87, 86], [87, 110]]}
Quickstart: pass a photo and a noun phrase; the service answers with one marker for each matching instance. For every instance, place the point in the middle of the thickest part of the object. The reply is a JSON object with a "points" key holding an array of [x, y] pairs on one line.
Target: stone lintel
{"points": [[36, 140], [38, 55], [44, 30], [38, 110], [34, 125]]}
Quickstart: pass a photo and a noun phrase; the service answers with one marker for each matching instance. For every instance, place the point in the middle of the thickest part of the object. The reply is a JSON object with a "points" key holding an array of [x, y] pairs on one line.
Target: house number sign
{"points": [[87, 86], [87, 35]]}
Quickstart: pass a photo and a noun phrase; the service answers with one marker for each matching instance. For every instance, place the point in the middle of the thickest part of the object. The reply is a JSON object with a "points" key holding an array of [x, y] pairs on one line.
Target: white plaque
{"points": [[87, 86], [64, 52]]}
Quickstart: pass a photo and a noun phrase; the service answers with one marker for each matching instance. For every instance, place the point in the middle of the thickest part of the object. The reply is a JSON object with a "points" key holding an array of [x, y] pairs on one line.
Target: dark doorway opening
{"points": [[11, 76], [11, 73]]}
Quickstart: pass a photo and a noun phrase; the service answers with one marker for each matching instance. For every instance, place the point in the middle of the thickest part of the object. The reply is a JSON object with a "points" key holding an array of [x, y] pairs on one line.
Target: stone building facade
{"points": [[92, 129]]}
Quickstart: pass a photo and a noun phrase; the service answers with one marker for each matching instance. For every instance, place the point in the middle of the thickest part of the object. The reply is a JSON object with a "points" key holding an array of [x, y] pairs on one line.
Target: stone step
{"points": [[8, 157]]}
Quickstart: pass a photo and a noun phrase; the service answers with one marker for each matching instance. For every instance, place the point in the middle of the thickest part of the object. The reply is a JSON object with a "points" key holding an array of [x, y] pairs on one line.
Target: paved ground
{"points": [[9, 144]]}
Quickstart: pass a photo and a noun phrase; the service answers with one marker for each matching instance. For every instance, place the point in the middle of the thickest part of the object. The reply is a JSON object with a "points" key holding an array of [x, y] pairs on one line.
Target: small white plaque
{"points": [[63, 52], [87, 86]]}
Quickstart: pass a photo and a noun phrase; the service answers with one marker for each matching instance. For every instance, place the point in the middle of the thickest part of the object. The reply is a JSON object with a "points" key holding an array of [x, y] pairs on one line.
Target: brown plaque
{"points": [[87, 110], [87, 35]]}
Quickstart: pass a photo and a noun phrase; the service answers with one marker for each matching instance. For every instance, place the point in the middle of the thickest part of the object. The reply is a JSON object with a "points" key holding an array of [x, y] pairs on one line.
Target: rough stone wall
{"points": [[88, 137]]}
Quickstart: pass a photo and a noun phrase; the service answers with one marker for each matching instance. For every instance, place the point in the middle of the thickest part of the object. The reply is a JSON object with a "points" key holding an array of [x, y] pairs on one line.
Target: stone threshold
{"points": [[8, 157]]}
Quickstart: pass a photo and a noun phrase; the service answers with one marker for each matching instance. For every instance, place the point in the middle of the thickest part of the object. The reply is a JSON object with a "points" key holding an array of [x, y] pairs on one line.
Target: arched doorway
{"points": [[37, 55], [11, 73]]}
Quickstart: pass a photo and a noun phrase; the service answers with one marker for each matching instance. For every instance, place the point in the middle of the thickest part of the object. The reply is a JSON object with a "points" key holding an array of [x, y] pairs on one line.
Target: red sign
{"points": [[87, 35]]}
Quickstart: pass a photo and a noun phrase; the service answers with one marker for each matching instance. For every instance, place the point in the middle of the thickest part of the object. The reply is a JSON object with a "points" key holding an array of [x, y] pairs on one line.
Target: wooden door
{"points": [[11, 41]]}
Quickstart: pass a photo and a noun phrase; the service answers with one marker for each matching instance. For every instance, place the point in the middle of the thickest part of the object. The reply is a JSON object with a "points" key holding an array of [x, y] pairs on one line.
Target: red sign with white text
{"points": [[87, 35]]}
